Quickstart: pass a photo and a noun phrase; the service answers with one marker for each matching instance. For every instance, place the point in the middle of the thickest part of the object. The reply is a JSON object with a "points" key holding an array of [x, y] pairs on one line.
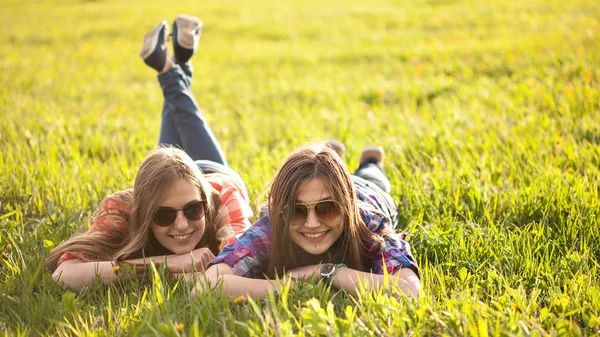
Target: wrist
{"points": [[328, 271], [129, 269]]}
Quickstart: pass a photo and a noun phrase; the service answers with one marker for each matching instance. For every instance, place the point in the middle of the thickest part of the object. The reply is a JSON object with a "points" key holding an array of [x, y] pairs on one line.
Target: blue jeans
{"points": [[184, 126], [372, 176]]}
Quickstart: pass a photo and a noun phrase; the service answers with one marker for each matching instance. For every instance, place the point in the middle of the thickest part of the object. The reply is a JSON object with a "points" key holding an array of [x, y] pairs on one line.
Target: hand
{"points": [[196, 260], [305, 272]]}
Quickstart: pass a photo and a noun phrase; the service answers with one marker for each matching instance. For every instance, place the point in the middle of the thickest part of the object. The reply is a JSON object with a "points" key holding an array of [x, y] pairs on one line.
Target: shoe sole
{"points": [[372, 152], [187, 28], [151, 39], [337, 146]]}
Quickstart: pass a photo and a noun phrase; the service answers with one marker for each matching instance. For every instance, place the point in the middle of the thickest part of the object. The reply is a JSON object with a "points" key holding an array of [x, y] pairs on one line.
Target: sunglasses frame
{"points": [[311, 206], [195, 202]]}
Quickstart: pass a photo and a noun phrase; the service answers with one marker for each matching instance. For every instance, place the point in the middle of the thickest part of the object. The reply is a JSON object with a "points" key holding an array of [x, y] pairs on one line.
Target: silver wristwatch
{"points": [[327, 271]]}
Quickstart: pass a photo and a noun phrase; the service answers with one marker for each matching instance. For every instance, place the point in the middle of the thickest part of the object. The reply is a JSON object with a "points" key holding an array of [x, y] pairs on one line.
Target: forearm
{"points": [[237, 286], [77, 274], [405, 279], [145, 262], [80, 274], [221, 275]]}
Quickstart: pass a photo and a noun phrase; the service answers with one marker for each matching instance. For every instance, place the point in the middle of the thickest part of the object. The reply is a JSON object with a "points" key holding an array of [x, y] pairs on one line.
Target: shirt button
{"points": [[245, 250]]}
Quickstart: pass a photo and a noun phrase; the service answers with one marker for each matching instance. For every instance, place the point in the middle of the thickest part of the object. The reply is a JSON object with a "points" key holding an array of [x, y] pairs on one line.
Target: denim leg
{"points": [[196, 136], [188, 70], [369, 170], [168, 131]]}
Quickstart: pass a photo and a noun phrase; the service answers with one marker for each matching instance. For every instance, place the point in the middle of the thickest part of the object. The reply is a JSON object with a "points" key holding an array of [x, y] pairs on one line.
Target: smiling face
{"points": [[313, 235], [182, 235]]}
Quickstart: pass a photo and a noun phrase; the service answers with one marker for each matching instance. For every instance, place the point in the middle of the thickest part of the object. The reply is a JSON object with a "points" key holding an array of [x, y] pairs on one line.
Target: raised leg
{"points": [[197, 139], [168, 131]]}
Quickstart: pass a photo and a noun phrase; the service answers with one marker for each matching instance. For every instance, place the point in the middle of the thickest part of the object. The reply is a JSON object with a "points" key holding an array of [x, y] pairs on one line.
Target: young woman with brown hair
{"points": [[184, 206], [320, 221]]}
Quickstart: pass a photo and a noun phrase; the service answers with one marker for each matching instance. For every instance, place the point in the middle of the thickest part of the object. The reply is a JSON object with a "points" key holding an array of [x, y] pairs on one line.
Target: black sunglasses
{"points": [[165, 216], [326, 211]]}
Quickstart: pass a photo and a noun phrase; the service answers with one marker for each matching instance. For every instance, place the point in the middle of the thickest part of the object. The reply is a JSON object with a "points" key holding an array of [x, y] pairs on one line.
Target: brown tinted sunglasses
{"points": [[326, 211], [165, 216]]}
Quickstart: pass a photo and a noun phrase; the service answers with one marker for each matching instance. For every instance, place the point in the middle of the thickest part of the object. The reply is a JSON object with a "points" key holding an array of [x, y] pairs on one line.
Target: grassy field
{"points": [[489, 112]]}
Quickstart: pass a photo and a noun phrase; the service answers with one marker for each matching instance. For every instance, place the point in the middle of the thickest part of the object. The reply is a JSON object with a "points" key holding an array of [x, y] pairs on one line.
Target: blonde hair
{"points": [[321, 162], [157, 173]]}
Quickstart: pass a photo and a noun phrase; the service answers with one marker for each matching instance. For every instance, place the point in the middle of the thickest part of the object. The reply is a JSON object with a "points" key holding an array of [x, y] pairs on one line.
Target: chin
{"points": [[183, 250], [312, 250]]}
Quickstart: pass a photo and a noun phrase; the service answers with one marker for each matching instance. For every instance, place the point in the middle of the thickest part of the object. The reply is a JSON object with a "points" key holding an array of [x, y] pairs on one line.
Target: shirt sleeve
{"points": [[111, 219], [233, 215], [250, 252], [395, 255]]}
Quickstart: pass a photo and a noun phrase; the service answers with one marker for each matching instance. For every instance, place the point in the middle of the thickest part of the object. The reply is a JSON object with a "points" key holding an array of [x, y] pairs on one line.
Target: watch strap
{"points": [[329, 278]]}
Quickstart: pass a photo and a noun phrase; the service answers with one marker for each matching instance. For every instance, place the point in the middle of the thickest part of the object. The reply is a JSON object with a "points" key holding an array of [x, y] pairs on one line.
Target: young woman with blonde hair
{"points": [[320, 221], [184, 206]]}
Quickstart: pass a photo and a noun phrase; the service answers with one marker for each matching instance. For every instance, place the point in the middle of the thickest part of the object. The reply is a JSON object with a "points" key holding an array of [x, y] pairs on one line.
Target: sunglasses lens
{"points": [[327, 210], [165, 216], [194, 211], [300, 213]]}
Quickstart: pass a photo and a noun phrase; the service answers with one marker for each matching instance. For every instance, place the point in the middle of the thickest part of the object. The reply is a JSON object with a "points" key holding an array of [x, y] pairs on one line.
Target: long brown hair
{"points": [[157, 173], [321, 162]]}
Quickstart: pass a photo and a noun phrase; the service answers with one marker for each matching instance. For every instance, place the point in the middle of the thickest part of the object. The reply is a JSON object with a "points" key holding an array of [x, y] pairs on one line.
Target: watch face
{"points": [[327, 269]]}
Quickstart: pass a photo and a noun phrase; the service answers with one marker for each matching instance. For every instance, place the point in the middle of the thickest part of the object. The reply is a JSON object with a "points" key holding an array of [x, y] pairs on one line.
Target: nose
{"points": [[311, 220], [180, 221]]}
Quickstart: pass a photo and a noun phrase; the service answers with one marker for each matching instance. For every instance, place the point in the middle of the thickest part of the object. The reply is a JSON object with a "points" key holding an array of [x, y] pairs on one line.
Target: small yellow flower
{"points": [[118, 109], [179, 327], [240, 300], [588, 76], [570, 170], [116, 268], [589, 93]]}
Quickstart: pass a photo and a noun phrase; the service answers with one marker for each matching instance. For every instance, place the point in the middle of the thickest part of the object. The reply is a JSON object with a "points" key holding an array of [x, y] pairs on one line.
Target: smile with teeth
{"points": [[182, 237], [314, 235]]}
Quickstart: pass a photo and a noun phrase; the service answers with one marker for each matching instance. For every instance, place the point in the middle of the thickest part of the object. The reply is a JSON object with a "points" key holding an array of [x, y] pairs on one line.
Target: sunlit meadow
{"points": [[489, 112]]}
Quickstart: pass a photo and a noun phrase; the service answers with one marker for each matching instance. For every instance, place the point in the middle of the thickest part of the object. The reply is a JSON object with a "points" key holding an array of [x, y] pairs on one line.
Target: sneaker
{"points": [[186, 35], [154, 51], [374, 154], [337, 146]]}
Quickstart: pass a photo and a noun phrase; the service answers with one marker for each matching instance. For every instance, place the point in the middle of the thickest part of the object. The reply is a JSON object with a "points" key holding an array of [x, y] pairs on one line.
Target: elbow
{"points": [[61, 277], [205, 283], [212, 278], [409, 283], [198, 289], [413, 289], [58, 276]]}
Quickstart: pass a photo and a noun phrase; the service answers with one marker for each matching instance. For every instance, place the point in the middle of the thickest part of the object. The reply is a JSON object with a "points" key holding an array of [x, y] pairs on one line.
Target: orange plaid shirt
{"points": [[233, 217]]}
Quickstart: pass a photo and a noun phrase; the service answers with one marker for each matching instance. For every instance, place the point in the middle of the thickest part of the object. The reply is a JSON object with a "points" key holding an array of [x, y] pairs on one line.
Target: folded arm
{"points": [[232, 284], [76, 273], [349, 279], [405, 279]]}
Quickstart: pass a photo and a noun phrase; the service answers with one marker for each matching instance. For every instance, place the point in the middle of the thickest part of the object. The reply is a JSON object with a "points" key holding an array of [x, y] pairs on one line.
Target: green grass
{"points": [[489, 112]]}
